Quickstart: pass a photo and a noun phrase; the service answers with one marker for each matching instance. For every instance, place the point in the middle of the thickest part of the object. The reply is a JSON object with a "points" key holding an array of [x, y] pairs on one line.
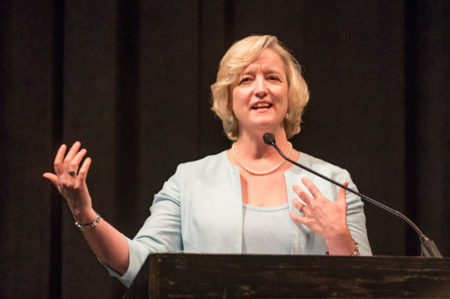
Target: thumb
{"points": [[51, 177]]}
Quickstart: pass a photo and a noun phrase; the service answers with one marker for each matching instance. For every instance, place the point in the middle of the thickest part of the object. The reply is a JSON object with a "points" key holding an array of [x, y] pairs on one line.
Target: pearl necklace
{"points": [[254, 172]]}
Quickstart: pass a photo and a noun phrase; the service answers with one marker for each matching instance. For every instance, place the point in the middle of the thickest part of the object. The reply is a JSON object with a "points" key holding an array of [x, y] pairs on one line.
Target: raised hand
{"points": [[70, 180], [325, 217]]}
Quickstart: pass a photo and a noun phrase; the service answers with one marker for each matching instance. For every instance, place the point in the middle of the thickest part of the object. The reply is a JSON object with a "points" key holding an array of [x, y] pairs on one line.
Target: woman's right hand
{"points": [[70, 180]]}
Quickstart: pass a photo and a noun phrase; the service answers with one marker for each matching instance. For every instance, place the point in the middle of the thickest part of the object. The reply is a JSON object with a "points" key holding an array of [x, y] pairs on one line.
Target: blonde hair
{"points": [[240, 55]]}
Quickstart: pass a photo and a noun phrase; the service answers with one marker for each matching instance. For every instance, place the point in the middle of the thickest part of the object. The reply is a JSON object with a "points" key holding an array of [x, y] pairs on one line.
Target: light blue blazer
{"points": [[199, 210]]}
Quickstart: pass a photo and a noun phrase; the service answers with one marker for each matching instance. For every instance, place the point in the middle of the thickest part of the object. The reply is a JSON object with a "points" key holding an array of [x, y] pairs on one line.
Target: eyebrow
{"points": [[266, 71]]}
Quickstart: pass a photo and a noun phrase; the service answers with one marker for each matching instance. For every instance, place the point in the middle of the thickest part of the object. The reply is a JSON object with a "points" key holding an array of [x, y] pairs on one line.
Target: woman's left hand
{"points": [[324, 217]]}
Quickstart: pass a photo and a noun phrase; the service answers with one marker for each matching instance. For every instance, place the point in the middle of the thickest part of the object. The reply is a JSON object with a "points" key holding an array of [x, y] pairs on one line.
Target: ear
{"points": [[286, 118]]}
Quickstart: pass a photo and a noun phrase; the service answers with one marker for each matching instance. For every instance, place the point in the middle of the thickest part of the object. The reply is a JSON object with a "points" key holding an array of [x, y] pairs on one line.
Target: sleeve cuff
{"points": [[137, 257]]}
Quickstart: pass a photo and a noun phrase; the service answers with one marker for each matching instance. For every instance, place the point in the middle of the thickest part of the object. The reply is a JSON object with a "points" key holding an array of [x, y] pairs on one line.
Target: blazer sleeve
{"points": [[356, 220], [161, 231]]}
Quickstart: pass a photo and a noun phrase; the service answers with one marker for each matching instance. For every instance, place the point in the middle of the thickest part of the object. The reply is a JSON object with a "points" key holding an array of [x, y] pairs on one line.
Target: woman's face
{"points": [[260, 94]]}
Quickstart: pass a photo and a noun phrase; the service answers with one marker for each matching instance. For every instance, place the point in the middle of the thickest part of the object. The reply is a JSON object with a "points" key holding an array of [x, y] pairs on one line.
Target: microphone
{"points": [[428, 248]]}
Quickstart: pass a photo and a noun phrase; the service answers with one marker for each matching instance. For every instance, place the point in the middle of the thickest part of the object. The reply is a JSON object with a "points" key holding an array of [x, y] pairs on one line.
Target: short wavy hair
{"points": [[240, 55]]}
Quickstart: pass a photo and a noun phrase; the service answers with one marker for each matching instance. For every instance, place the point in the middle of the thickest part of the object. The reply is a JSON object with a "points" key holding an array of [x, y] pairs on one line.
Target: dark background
{"points": [[130, 80]]}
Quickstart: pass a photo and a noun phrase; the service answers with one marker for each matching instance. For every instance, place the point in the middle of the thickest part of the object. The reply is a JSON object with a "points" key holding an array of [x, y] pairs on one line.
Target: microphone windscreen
{"points": [[269, 138]]}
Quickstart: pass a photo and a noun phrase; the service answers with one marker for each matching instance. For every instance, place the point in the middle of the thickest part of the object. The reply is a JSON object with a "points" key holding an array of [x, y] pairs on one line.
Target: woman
{"points": [[243, 200]]}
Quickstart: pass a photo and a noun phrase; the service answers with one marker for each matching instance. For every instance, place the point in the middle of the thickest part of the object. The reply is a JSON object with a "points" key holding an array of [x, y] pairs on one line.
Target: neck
{"points": [[252, 146]]}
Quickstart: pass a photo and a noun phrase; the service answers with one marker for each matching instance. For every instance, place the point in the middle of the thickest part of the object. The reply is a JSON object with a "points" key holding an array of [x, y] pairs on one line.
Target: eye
{"points": [[244, 80], [274, 78]]}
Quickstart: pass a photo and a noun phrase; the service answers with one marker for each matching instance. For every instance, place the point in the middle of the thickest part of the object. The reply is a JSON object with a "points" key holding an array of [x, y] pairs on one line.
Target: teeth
{"points": [[262, 105]]}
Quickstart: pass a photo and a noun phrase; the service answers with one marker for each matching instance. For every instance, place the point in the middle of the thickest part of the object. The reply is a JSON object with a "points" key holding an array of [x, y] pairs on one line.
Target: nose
{"points": [[260, 90]]}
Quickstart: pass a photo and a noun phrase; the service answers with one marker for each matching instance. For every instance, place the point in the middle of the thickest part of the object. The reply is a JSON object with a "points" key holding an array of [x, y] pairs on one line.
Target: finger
{"points": [[82, 174], [52, 178], [298, 218], [73, 165], [311, 187], [58, 162], [342, 193], [297, 204], [302, 194], [71, 154], [303, 209]]}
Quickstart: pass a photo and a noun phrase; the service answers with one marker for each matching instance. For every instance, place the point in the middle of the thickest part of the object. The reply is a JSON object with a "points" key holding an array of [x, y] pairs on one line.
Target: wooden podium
{"points": [[276, 276]]}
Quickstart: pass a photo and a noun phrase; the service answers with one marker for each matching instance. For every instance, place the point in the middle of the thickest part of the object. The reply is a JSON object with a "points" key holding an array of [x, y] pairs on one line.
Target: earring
{"points": [[287, 115]]}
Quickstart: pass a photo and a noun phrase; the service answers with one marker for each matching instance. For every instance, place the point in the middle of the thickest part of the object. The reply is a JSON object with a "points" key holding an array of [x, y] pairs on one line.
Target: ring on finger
{"points": [[71, 172], [301, 208]]}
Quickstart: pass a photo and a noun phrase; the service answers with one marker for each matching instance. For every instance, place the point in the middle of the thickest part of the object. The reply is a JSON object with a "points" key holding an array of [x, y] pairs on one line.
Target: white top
{"points": [[267, 230]]}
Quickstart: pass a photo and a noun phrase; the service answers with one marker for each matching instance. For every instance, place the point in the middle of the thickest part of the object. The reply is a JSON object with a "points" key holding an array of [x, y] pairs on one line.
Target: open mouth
{"points": [[261, 105]]}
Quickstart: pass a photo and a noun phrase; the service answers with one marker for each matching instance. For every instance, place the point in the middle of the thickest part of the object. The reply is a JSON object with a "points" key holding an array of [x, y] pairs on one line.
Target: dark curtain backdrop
{"points": [[130, 80]]}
